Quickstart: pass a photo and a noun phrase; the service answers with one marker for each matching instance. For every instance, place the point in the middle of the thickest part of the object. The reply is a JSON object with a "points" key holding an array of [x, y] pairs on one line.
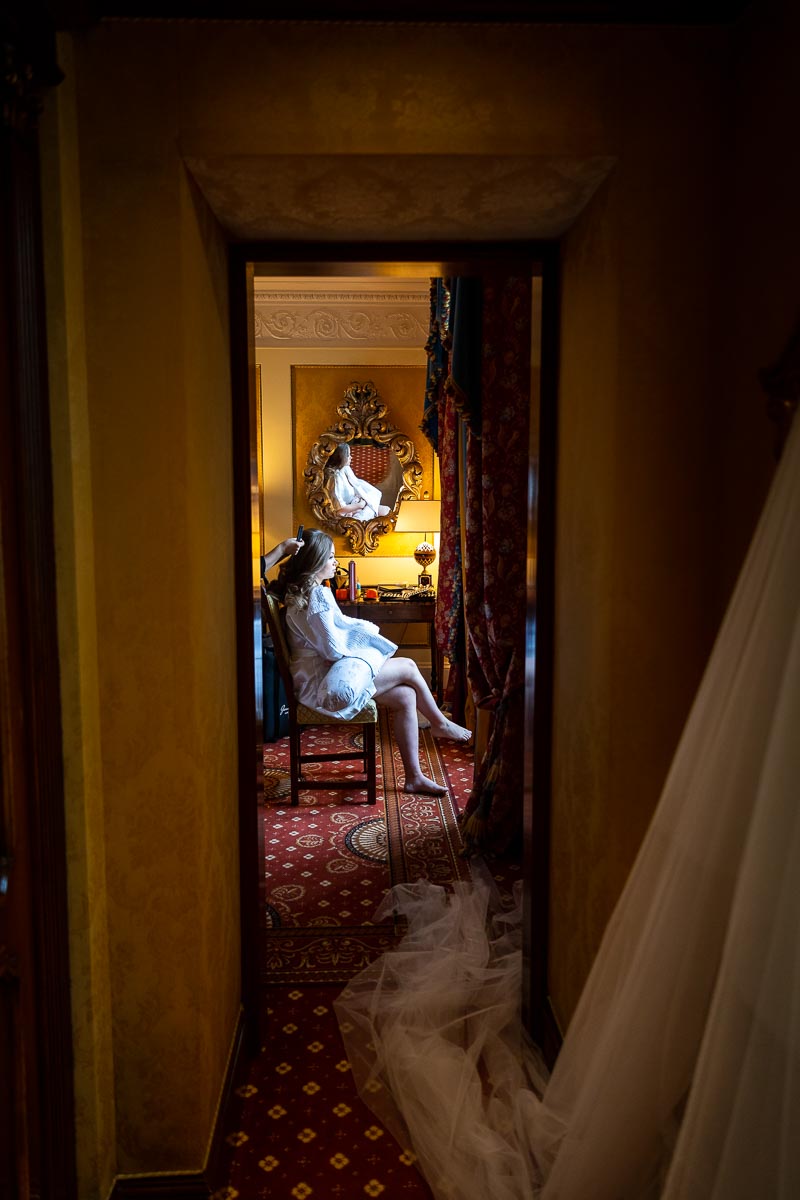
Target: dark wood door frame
{"points": [[246, 260], [37, 1128]]}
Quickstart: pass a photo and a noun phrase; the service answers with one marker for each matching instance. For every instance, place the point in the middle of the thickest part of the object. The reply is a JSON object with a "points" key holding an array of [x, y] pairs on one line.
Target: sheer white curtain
{"points": [[680, 1073]]}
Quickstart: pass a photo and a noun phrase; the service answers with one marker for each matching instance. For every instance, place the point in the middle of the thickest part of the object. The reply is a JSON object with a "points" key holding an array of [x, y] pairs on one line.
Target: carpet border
{"points": [[307, 948]]}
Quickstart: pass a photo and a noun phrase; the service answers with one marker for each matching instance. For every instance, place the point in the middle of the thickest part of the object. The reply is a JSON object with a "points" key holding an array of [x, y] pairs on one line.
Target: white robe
{"points": [[320, 635], [347, 489]]}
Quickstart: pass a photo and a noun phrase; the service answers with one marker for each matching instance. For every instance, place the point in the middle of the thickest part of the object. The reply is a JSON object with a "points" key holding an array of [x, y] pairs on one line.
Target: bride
{"points": [[339, 663], [351, 496]]}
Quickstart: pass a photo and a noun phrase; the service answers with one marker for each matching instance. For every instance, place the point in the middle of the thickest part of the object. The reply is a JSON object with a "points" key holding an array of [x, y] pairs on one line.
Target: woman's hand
{"points": [[282, 550]]}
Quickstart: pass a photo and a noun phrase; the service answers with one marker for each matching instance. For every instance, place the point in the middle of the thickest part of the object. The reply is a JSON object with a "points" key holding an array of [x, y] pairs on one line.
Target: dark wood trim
{"points": [[326, 258], [248, 638], [781, 383], [230, 1105], [550, 1036], [32, 766], [192, 1185], [527, 12], [465, 258], [198, 1185], [539, 680], [245, 259]]}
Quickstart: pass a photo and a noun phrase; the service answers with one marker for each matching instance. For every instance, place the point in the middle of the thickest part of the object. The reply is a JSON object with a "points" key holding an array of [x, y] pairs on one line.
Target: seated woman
{"points": [[351, 496], [325, 644]]}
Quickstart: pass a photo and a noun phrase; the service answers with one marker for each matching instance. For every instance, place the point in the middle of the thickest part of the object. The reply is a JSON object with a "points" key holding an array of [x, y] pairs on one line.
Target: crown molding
{"points": [[316, 316]]}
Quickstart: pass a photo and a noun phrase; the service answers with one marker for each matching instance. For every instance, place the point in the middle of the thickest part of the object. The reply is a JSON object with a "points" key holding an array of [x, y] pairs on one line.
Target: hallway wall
{"points": [[761, 267], [679, 284], [638, 592], [90, 966], [638, 404], [142, 388]]}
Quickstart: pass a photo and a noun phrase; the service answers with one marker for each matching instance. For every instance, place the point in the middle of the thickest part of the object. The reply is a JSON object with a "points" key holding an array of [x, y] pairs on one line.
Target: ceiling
{"points": [[72, 13], [361, 198], [356, 199]]}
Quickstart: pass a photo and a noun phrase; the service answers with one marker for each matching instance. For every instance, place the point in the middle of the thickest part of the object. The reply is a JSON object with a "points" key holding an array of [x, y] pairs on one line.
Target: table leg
{"points": [[436, 666]]}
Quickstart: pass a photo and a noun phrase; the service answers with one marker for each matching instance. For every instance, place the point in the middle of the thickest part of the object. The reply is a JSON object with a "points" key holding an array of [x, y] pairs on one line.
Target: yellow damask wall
{"points": [[78, 645], [151, 760], [148, 674], [664, 446], [633, 574], [393, 561]]}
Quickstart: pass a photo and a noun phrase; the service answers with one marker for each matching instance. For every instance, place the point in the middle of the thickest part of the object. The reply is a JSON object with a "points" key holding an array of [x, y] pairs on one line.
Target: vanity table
{"points": [[405, 612]]}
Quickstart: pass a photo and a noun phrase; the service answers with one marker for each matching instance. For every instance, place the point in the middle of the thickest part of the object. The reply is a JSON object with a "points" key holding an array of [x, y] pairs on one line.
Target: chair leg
{"points": [[372, 773], [294, 764]]}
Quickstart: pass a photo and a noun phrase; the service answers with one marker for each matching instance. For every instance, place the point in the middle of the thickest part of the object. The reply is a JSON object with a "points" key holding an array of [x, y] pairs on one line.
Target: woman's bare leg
{"points": [[402, 701], [399, 672]]}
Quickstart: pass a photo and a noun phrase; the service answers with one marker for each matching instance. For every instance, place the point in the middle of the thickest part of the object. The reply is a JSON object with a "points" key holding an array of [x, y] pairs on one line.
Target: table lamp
{"points": [[421, 516]]}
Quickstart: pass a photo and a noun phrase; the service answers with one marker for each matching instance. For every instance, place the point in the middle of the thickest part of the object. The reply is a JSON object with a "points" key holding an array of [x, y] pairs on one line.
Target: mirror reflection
{"points": [[360, 470], [350, 495]]}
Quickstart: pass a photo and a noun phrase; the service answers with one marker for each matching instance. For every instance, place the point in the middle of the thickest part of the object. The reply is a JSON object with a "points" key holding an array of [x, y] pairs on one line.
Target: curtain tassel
{"points": [[473, 834], [475, 827]]}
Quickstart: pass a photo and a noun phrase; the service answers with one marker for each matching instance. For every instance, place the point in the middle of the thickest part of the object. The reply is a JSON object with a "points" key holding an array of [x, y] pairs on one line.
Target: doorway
{"points": [[539, 261]]}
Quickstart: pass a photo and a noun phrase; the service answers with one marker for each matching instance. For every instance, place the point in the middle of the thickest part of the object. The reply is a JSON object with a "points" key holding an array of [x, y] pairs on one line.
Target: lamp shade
{"points": [[419, 516]]}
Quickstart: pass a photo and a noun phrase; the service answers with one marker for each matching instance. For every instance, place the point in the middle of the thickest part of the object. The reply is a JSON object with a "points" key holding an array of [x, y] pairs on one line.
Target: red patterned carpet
{"points": [[330, 861], [302, 1132]]}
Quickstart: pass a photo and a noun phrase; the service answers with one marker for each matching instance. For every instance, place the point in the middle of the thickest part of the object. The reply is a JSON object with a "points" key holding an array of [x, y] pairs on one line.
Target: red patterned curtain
{"points": [[441, 424], [495, 561], [483, 405]]}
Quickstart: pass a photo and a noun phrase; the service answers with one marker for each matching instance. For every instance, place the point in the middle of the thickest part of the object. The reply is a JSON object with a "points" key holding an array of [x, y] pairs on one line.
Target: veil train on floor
{"points": [[679, 1076]]}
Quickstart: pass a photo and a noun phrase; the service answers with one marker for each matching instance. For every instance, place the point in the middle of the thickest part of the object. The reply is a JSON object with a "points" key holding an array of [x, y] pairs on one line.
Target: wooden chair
{"points": [[302, 718]]}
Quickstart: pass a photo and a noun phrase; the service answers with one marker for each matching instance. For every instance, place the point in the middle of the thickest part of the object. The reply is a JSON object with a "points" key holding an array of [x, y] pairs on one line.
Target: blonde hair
{"points": [[298, 575]]}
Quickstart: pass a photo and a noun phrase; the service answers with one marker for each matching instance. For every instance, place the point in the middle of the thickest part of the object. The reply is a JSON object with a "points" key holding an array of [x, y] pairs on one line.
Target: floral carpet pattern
{"points": [[302, 1132], [299, 1130], [330, 861]]}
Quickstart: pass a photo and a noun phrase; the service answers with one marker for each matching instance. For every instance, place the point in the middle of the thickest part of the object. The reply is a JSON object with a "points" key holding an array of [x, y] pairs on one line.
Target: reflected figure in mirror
{"points": [[351, 496]]}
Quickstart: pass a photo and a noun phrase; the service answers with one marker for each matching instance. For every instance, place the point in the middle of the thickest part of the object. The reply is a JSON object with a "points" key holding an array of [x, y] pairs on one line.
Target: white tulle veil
{"points": [[679, 1076]]}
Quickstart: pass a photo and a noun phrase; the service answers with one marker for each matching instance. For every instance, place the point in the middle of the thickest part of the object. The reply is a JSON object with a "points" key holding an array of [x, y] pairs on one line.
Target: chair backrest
{"points": [[273, 609]]}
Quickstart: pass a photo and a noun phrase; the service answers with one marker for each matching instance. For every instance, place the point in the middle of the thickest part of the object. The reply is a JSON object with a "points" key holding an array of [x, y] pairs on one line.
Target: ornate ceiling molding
{"points": [[316, 317]]}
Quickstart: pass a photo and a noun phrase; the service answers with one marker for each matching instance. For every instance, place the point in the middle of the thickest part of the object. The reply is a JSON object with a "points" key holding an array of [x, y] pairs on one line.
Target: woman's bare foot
{"points": [[424, 786], [449, 729]]}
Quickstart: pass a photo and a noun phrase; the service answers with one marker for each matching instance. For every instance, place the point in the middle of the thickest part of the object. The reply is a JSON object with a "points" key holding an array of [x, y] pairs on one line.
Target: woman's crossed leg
{"points": [[400, 686]]}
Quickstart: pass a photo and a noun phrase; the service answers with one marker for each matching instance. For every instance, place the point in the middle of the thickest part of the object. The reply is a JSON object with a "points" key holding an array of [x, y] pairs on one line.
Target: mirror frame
{"points": [[363, 415]]}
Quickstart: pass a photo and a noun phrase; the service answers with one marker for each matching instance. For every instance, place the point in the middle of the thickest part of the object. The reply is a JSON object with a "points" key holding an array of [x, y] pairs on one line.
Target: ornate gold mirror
{"points": [[360, 470]]}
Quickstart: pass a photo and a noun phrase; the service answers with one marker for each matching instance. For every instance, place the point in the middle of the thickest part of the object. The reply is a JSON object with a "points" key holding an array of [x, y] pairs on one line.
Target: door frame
{"points": [[37, 1111], [399, 259]]}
